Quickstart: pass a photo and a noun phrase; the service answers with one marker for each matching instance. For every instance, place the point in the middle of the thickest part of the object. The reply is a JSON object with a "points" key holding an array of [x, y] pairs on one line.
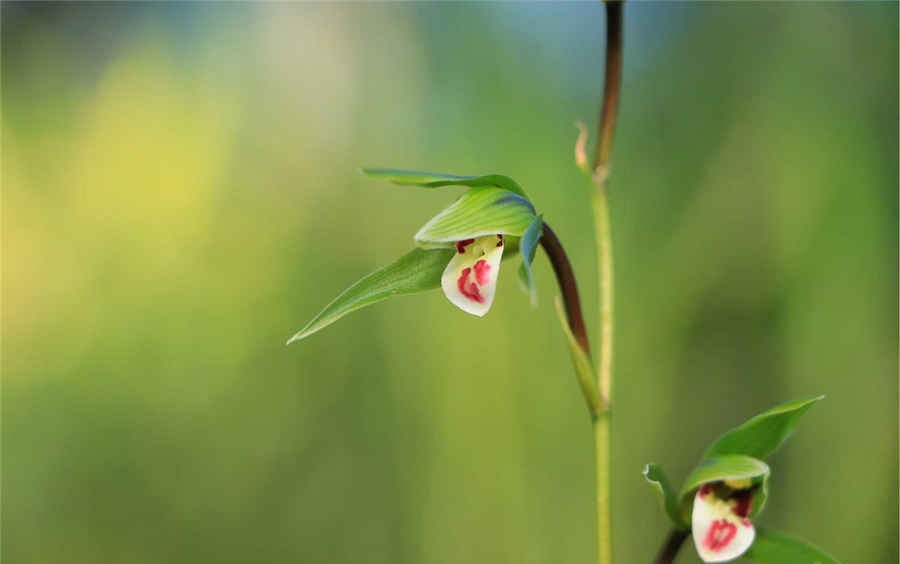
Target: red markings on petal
{"points": [[499, 240], [461, 245], [467, 288], [705, 489], [719, 535], [482, 268]]}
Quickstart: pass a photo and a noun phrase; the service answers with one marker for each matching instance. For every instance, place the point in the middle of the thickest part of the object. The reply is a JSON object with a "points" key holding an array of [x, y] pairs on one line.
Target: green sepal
{"points": [[477, 213], [733, 467], [528, 246], [417, 271], [655, 476], [436, 179], [772, 547], [761, 435], [584, 369]]}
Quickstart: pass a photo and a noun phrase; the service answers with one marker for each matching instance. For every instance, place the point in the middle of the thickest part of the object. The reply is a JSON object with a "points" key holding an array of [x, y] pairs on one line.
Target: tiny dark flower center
{"points": [[743, 502], [461, 245]]}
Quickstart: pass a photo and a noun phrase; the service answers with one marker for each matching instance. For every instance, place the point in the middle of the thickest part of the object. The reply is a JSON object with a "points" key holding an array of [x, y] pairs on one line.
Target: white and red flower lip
{"points": [[721, 528], [475, 225], [470, 279]]}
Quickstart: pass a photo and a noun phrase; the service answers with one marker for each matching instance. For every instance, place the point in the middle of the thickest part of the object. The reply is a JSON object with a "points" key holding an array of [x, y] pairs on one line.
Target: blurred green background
{"points": [[181, 193]]}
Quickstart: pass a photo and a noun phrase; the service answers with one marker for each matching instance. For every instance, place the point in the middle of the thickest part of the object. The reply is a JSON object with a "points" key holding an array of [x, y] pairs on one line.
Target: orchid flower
{"points": [[459, 250], [720, 521], [728, 489], [718, 500], [470, 279]]}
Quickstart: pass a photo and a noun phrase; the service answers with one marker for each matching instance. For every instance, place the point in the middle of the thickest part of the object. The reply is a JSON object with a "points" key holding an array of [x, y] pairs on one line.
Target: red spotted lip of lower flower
{"points": [[470, 279], [720, 521], [728, 488]]}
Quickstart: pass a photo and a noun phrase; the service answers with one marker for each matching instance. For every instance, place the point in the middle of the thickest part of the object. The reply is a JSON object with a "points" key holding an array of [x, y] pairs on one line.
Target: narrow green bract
{"points": [[760, 436], [417, 271], [437, 179], [771, 547], [654, 474], [584, 369], [528, 246], [479, 212]]}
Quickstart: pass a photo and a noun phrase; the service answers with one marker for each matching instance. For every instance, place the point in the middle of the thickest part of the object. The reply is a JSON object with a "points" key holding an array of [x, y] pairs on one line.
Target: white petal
{"points": [[719, 534], [470, 280]]}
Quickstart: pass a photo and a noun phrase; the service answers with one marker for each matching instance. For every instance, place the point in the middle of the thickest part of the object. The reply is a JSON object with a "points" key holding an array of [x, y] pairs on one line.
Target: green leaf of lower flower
{"points": [[417, 271], [733, 468], [762, 435], [436, 179], [528, 246], [477, 213], [771, 547], [655, 476]]}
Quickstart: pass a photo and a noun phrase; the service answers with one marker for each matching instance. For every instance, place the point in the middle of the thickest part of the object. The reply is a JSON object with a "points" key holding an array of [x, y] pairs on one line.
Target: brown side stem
{"points": [[669, 550], [565, 277]]}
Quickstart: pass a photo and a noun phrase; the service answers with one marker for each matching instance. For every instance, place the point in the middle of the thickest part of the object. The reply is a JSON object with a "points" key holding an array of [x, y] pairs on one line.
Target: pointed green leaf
{"points": [[479, 212], [762, 435], [417, 271], [584, 369], [735, 468], [654, 474], [771, 547], [436, 179], [528, 246]]}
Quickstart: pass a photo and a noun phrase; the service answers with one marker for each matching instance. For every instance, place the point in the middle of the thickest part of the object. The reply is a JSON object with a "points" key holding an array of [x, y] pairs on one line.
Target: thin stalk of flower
{"points": [[599, 197]]}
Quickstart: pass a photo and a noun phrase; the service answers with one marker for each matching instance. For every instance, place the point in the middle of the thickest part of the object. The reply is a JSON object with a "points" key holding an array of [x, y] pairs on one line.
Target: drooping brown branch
{"points": [[565, 277], [669, 550]]}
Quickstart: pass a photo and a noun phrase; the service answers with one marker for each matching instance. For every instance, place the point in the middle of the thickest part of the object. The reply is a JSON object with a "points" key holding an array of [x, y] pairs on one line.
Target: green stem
{"points": [[605, 277], [604, 377], [601, 169], [604, 518], [598, 396]]}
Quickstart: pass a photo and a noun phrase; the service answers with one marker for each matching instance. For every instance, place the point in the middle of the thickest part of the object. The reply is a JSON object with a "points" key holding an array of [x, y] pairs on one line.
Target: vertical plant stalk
{"points": [[602, 465], [602, 156], [598, 396], [599, 197]]}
